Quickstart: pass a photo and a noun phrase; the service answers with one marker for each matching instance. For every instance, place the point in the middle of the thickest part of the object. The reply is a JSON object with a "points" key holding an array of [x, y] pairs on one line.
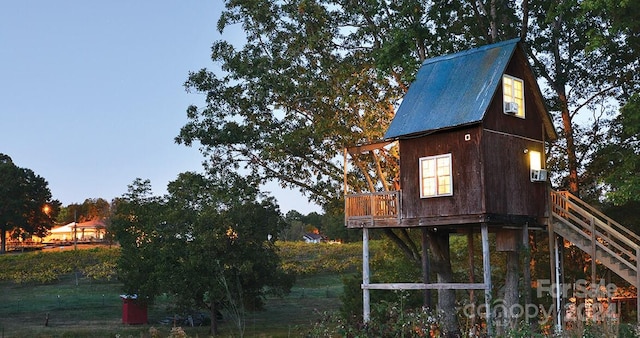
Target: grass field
{"points": [[83, 307]]}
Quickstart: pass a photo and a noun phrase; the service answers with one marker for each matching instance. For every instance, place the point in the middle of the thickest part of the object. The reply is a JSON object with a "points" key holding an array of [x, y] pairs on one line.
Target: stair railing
{"points": [[589, 223]]}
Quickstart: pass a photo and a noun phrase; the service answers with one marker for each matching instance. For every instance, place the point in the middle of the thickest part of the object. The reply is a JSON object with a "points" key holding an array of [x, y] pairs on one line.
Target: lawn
{"points": [[77, 306]]}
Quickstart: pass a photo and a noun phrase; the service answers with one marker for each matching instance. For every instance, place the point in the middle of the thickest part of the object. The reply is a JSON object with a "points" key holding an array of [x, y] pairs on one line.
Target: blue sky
{"points": [[92, 96]]}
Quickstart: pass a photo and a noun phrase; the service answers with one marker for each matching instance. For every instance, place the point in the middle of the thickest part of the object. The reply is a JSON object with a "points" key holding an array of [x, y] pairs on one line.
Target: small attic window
{"points": [[513, 96]]}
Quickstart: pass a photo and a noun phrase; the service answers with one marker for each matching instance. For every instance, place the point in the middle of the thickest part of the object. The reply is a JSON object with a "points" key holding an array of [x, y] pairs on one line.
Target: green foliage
{"points": [[387, 264], [206, 243], [26, 206], [316, 77], [90, 209], [388, 319], [523, 330], [617, 163]]}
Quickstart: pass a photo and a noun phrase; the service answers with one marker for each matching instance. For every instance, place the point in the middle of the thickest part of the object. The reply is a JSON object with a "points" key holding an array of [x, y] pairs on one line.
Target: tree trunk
{"points": [[510, 293], [439, 246], [572, 158], [214, 320]]}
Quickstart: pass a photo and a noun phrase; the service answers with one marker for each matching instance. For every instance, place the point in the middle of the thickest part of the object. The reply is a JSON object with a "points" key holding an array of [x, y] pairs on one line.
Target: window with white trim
{"points": [[435, 176], [513, 96]]}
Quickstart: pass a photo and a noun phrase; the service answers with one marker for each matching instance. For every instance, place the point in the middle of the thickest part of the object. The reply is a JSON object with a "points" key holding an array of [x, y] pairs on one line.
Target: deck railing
{"points": [[371, 206]]}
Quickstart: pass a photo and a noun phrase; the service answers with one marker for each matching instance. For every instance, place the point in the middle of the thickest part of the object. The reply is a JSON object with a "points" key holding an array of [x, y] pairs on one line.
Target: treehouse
{"points": [[471, 133]]}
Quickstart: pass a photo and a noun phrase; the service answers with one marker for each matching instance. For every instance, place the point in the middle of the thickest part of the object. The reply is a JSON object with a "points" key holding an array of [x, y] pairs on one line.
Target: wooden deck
{"points": [[379, 208], [383, 210]]}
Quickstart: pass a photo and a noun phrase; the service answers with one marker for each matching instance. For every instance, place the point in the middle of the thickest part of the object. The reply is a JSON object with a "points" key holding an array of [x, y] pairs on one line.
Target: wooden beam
{"points": [[425, 286], [364, 148]]}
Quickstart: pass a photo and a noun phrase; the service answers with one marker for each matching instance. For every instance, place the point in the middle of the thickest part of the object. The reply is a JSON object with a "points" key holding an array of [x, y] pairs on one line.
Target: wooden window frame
{"points": [[510, 96], [436, 176]]}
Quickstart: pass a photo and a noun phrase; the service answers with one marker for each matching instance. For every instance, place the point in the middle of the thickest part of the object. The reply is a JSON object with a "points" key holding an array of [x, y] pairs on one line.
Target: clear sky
{"points": [[92, 96]]}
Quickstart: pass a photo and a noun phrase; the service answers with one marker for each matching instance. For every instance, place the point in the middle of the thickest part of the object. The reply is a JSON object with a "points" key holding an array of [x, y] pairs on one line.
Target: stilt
{"points": [[526, 264], [486, 267], [366, 307], [557, 281], [425, 268], [472, 279]]}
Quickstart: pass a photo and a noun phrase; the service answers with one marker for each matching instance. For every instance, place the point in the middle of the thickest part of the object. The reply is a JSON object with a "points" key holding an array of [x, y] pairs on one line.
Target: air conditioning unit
{"points": [[510, 107], [538, 175]]}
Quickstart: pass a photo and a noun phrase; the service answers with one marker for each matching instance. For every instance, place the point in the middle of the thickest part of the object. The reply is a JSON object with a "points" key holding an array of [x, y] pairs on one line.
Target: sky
{"points": [[92, 96]]}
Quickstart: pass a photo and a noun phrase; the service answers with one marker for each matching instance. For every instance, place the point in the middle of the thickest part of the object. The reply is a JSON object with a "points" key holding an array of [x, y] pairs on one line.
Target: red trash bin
{"points": [[134, 311]]}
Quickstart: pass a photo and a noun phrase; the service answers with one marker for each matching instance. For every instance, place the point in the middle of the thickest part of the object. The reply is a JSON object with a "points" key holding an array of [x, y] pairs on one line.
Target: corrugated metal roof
{"points": [[452, 90]]}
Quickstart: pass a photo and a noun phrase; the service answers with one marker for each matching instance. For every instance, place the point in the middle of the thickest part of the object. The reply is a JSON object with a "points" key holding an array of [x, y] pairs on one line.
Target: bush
{"points": [[388, 319]]}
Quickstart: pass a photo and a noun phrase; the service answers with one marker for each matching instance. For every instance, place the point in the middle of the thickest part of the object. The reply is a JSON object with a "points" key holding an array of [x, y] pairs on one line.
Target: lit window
{"points": [[513, 96], [436, 179], [535, 165], [535, 160]]}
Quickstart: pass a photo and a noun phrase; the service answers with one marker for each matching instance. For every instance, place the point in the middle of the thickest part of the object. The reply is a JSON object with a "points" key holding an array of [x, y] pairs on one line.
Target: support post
{"points": [[526, 265], [594, 285], [557, 283], [486, 267], [425, 268], [345, 187], [472, 280], [366, 307]]}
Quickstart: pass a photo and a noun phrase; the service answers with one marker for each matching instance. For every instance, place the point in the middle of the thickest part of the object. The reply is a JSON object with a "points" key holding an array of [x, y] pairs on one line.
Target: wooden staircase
{"points": [[610, 243]]}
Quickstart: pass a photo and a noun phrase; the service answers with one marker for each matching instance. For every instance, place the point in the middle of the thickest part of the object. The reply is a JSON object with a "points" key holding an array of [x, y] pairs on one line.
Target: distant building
{"points": [[90, 231], [313, 238]]}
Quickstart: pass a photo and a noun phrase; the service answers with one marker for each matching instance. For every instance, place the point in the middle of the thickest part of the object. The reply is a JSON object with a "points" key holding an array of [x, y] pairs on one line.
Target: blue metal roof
{"points": [[452, 90]]}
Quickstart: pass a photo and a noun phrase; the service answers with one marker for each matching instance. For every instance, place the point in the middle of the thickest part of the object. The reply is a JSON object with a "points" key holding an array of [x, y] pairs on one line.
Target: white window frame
{"points": [[509, 94], [435, 177]]}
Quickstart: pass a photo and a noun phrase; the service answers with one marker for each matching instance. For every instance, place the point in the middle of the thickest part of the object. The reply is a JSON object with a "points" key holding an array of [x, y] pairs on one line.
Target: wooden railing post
{"points": [[593, 269], [637, 284]]}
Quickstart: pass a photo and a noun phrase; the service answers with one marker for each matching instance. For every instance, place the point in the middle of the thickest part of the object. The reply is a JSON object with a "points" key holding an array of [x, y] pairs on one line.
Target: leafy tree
{"points": [[583, 73], [207, 243], [617, 163], [317, 76], [90, 209], [26, 206]]}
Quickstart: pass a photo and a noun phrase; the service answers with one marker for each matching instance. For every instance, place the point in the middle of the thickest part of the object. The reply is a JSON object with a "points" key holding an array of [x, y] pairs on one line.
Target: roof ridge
{"points": [[466, 52]]}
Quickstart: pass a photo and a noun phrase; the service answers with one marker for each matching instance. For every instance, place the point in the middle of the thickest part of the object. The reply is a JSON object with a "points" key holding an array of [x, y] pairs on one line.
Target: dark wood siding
{"points": [[509, 190], [531, 126], [466, 169], [491, 172], [508, 186]]}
